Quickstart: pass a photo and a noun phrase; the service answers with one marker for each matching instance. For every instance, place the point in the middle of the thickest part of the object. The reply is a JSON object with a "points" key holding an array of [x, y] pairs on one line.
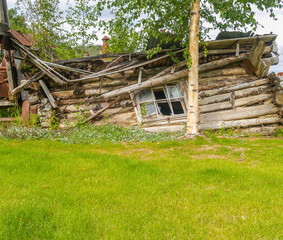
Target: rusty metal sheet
{"points": [[20, 37], [4, 90]]}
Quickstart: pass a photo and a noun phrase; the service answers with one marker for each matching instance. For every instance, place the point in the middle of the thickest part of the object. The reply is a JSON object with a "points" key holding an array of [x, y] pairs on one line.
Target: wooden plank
{"points": [[93, 116], [6, 104], [227, 43], [212, 92], [238, 103], [25, 84], [239, 123], [240, 113], [9, 70], [48, 94], [238, 94]]}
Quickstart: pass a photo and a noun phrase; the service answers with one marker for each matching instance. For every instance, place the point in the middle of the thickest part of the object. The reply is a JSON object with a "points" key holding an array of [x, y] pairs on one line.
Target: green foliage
{"points": [[17, 22], [85, 133], [138, 20], [45, 22], [82, 21]]}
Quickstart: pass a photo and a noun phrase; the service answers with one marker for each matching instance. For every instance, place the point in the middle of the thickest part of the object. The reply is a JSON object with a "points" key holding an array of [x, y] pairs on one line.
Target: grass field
{"points": [[204, 189]]}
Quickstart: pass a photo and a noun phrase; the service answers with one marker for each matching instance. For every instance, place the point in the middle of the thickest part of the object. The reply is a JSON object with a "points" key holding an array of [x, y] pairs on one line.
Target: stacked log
{"points": [[230, 97]]}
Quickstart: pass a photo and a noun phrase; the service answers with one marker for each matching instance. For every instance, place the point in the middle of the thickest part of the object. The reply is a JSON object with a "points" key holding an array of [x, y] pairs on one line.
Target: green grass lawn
{"points": [[205, 189]]}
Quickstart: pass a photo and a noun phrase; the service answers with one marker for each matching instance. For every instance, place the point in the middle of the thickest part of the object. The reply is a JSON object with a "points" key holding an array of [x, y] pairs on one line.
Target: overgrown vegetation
{"points": [[85, 134], [203, 189]]}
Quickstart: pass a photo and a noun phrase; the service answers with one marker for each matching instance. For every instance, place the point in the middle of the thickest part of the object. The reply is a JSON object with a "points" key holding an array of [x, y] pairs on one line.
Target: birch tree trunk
{"points": [[193, 108]]}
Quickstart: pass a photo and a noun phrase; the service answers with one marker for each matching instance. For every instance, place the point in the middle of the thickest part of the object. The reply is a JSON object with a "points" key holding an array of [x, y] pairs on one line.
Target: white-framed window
{"points": [[166, 100]]}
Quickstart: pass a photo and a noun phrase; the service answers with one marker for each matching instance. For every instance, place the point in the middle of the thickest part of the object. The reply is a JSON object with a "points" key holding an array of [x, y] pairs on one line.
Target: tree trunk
{"points": [[193, 112]]}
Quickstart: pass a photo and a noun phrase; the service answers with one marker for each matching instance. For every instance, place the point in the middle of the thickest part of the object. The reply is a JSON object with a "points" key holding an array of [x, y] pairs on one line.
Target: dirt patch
{"points": [[207, 156]]}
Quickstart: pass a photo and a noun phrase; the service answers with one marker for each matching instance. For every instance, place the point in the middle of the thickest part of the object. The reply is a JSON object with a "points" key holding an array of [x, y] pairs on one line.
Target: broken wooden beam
{"points": [[171, 77], [25, 84], [48, 94], [99, 112]]}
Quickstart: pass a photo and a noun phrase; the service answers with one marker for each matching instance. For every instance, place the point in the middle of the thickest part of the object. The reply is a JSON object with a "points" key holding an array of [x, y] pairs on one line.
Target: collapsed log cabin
{"points": [[235, 89]]}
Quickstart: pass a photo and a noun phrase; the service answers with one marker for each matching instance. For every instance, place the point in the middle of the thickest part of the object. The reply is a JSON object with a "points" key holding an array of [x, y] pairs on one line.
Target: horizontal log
{"points": [[239, 113], [220, 82], [279, 98], [223, 72], [238, 103], [6, 104], [70, 93], [238, 94], [8, 119], [226, 89], [171, 77], [274, 119], [239, 123]]}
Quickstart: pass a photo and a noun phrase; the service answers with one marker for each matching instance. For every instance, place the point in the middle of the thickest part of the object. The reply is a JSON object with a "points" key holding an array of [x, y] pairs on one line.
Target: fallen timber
{"points": [[231, 96], [167, 78]]}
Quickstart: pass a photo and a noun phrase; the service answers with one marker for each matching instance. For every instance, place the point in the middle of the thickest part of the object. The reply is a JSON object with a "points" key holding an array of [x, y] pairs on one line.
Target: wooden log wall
{"points": [[235, 101], [229, 98]]}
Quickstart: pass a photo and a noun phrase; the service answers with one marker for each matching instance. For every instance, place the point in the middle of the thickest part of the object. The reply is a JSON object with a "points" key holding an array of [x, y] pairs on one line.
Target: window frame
{"points": [[157, 115]]}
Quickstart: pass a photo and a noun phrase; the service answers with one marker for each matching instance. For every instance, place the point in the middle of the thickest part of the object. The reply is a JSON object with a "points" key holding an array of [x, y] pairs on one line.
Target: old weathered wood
{"points": [[279, 97], [257, 52], [4, 103], [9, 73], [226, 89], [135, 108], [103, 109], [48, 94], [171, 77], [33, 99], [240, 113], [25, 84], [238, 103], [70, 69], [239, 123], [238, 94], [223, 72], [237, 49]]}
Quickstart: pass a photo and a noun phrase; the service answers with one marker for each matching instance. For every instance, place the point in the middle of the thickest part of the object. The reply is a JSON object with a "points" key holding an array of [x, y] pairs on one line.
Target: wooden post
{"points": [[9, 73], [193, 111]]}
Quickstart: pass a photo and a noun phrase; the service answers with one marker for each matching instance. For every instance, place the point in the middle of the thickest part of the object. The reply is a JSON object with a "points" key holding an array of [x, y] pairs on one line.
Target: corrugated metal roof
{"points": [[22, 38]]}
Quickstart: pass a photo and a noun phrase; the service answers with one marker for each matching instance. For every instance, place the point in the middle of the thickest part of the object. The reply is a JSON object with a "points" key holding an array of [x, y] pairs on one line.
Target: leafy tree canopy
{"points": [[17, 22], [134, 21]]}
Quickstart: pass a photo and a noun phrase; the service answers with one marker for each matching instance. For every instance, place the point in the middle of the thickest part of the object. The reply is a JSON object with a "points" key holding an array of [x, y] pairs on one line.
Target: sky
{"points": [[269, 25]]}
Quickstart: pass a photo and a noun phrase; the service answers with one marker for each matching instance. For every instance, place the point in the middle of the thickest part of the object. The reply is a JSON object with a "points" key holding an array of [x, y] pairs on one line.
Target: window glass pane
{"points": [[159, 94], [148, 109], [146, 95], [174, 91], [164, 108], [177, 107]]}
